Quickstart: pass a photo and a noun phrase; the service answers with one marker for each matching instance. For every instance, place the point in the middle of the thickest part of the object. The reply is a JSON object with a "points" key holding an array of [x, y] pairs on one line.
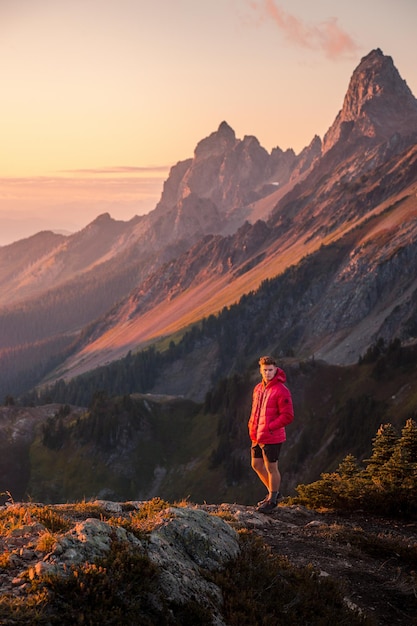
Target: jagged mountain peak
{"points": [[229, 172], [377, 104], [218, 142], [376, 77], [103, 218]]}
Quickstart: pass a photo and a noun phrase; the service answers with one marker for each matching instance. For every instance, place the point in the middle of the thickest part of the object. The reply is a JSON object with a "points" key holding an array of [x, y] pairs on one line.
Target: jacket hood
{"points": [[280, 377]]}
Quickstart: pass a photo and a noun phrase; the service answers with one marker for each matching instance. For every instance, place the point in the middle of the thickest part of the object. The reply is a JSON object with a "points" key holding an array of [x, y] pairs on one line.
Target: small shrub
{"points": [[46, 542], [14, 517], [145, 519], [82, 510], [151, 507], [142, 521], [52, 520], [5, 559]]}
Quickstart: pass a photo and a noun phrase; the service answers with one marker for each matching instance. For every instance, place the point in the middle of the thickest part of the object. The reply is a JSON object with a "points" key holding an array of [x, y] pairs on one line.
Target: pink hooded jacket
{"points": [[272, 410]]}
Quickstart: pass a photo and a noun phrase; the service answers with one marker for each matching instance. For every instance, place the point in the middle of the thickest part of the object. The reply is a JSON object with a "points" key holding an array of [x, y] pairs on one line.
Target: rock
{"points": [[108, 505], [27, 555], [188, 540], [41, 569], [203, 539], [89, 540]]}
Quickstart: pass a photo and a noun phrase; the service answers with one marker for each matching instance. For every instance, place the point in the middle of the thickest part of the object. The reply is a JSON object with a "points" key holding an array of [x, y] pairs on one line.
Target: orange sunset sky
{"points": [[101, 97]]}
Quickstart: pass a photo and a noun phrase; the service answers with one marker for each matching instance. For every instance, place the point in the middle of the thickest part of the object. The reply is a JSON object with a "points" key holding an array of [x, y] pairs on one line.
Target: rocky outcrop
{"points": [[188, 541], [307, 158], [184, 543]]}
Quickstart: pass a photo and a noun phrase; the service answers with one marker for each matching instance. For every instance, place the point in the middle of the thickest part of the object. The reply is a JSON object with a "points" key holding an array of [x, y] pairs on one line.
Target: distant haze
{"points": [[61, 204]]}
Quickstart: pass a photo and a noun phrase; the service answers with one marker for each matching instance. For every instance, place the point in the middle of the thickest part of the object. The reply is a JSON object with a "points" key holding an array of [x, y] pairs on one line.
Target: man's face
{"points": [[268, 372]]}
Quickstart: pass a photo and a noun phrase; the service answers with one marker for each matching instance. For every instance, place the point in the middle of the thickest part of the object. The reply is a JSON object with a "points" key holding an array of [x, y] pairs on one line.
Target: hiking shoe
{"points": [[264, 500], [279, 497], [267, 507]]}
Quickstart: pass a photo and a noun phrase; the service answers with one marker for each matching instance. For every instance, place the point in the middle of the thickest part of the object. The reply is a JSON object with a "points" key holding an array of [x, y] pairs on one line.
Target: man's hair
{"points": [[267, 360]]}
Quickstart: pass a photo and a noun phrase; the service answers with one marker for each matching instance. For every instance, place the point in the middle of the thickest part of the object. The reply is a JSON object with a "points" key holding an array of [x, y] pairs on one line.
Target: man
{"points": [[272, 410]]}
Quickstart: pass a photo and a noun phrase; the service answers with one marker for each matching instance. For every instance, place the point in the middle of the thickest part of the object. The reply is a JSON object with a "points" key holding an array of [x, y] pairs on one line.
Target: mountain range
{"points": [[335, 226]]}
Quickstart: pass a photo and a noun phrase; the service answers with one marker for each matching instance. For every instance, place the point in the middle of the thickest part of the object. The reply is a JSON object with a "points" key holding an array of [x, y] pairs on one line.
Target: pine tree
{"points": [[399, 474], [383, 446], [349, 467], [408, 441]]}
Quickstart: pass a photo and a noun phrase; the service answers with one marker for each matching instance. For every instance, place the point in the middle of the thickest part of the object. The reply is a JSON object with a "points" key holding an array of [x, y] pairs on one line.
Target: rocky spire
{"points": [[378, 103], [222, 139]]}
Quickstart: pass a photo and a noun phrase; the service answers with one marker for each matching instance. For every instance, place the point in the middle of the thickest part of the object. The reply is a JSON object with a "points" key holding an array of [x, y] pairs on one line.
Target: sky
{"points": [[99, 98]]}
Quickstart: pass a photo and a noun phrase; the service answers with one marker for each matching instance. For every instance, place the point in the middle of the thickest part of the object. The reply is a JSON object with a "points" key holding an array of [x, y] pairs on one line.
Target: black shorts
{"points": [[271, 451]]}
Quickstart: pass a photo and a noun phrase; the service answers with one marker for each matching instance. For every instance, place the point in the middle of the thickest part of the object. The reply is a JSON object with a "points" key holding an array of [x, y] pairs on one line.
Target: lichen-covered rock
{"points": [[185, 541], [90, 540], [205, 540]]}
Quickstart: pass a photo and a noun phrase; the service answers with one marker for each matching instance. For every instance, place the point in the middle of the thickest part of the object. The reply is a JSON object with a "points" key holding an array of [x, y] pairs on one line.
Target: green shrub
{"points": [[387, 485]]}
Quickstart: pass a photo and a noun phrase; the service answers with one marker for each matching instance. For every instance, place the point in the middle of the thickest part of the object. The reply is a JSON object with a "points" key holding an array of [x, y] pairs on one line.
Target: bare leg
{"points": [[273, 474], [259, 466]]}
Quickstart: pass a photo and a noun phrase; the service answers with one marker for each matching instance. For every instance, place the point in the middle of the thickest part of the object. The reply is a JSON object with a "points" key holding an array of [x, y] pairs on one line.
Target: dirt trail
{"points": [[373, 559]]}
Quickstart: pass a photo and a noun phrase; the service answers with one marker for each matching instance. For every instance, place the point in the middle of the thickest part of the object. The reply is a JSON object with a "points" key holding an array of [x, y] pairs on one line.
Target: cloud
{"points": [[327, 36], [122, 169]]}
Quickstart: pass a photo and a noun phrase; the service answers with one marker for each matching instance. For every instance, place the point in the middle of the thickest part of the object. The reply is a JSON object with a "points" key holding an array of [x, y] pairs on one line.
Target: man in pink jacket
{"points": [[272, 410]]}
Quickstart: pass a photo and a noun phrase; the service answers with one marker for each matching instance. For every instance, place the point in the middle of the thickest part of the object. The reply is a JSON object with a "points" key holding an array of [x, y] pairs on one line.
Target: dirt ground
{"points": [[373, 559]]}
